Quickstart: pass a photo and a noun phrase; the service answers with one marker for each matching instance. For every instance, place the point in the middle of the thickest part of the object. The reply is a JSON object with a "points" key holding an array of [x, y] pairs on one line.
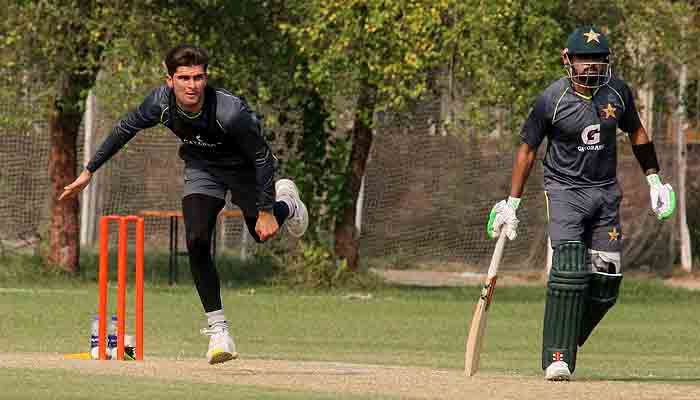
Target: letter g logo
{"points": [[591, 135]]}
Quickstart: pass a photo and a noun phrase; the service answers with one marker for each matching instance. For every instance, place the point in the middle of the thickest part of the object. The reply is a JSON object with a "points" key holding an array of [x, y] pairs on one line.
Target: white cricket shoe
{"points": [[557, 371], [299, 221], [221, 346]]}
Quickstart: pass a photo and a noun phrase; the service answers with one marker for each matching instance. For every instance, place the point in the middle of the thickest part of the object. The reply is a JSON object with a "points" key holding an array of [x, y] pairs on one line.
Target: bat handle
{"points": [[496, 257]]}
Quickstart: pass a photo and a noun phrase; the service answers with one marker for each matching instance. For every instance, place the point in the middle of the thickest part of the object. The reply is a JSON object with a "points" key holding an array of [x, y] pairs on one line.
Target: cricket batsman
{"points": [[579, 114]]}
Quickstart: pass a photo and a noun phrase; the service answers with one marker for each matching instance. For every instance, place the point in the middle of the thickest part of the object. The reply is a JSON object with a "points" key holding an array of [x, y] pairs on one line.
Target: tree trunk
{"points": [[681, 155], [346, 237], [64, 124]]}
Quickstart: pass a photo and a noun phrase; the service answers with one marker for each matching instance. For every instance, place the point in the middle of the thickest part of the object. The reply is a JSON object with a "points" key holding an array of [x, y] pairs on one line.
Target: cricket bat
{"points": [[477, 330]]}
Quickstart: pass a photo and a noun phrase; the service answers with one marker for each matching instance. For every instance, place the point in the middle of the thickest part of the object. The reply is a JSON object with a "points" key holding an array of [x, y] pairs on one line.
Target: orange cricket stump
{"points": [[121, 283]]}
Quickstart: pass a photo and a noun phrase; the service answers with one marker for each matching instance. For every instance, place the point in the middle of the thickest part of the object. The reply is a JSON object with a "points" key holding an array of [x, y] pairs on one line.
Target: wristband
{"points": [[646, 155]]}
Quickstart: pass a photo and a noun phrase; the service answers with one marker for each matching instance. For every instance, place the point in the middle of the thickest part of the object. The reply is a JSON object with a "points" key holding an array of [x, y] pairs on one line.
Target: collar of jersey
{"points": [[583, 96], [189, 115]]}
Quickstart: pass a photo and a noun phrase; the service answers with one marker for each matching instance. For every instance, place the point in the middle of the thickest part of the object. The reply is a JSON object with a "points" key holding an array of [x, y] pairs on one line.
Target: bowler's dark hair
{"points": [[185, 55]]}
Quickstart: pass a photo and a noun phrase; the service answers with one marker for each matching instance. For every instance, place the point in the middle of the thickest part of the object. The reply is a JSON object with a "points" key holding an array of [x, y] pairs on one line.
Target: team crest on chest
{"points": [[608, 111]]}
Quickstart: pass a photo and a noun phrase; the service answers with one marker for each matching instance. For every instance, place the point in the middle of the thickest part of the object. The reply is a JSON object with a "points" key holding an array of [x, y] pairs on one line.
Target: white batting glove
{"points": [[502, 219], [663, 198]]}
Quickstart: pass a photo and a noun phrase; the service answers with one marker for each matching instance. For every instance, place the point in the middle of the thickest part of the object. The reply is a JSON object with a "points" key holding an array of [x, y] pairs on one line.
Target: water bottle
{"points": [[112, 338], [95, 338]]}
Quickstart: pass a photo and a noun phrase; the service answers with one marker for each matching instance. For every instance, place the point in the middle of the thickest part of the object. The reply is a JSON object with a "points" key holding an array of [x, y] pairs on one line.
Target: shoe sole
{"points": [[222, 357], [295, 190], [300, 232], [559, 378], [291, 184]]}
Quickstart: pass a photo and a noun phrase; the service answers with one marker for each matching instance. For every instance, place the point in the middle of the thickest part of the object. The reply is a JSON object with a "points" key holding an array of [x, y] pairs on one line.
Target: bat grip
{"points": [[496, 257]]}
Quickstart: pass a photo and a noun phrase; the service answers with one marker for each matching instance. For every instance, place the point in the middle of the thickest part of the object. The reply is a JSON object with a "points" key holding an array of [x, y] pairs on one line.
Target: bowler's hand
{"points": [[266, 227], [77, 186]]}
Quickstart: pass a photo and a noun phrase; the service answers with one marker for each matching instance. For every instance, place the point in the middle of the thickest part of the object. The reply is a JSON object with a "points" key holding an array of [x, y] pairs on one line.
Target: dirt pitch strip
{"points": [[330, 377]]}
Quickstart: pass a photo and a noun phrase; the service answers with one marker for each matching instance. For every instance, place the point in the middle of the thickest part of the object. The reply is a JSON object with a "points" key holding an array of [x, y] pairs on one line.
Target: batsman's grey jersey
{"points": [[581, 147]]}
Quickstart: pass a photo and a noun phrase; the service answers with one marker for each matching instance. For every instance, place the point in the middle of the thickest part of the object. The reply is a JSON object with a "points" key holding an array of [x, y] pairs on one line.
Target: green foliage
{"points": [[387, 45], [648, 40], [260, 65], [126, 78], [56, 48], [310, 265], [20, 268], [378, 54], [505, 52], [249, 54], [293, 60], [691, 102], [313, 266], [319, 166]]}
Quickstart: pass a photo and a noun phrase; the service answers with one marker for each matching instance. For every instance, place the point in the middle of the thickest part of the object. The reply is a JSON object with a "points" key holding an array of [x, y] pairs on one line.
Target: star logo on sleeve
{"points": [[614, 234], [609, 111], [592, 36]]}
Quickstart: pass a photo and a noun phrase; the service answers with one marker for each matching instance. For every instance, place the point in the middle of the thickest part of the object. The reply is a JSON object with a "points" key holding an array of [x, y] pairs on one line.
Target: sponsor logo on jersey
{"points": [[199, 142], [591, 139]]}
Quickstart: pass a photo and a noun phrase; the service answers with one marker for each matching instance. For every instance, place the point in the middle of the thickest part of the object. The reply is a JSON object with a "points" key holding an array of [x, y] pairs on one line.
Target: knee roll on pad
{"points": [[605, 261], [567, 290]]}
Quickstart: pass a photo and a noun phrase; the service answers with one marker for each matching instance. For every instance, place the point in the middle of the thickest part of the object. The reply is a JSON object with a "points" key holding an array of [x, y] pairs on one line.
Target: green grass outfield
{"points": [[32, 384], [652, 335]]}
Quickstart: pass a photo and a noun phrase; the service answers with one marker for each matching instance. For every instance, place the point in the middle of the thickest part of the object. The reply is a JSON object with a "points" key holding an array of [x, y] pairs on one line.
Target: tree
{"points": [[265, 66], [63, 45], [379, 54], [503, 54]]}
